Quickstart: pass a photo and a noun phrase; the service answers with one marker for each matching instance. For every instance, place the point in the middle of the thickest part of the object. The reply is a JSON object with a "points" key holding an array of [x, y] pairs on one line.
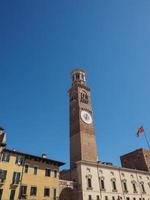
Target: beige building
{"points": [[26, 176], [106, 182]]}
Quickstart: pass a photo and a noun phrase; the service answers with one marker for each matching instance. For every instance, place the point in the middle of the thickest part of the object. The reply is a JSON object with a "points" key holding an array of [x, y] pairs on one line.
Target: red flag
{"points": [[140, 131]]}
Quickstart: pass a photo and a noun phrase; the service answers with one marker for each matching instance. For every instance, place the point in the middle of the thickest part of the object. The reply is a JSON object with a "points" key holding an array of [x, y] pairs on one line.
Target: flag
{"points": [[140, 131]]}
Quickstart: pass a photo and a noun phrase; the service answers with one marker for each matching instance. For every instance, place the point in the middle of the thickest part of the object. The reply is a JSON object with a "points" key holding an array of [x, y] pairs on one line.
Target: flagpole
{"points": [[146, 140]]}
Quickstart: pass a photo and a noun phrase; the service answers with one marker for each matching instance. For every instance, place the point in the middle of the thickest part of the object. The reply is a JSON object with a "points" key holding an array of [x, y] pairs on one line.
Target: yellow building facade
{"points": [[25, 176]]}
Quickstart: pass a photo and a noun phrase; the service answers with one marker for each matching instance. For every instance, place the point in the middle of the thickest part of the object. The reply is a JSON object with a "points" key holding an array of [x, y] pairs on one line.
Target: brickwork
{"points": [[138, 159], [82, 135]]}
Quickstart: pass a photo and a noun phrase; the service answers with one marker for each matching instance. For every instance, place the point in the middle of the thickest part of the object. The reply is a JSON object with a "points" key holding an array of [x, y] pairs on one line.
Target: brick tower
{"points": [[82, 134]]}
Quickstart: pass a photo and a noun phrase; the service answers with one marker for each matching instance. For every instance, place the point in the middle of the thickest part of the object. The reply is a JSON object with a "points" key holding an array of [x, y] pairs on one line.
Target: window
{"points": [[106, 197], [97, 197], [1, 193], [89, 183], [3, 174], [114, 185], [124, 184], [35, 170], [16, 178], [142, 187], [84, 97], [102, 184], [19, 160], [134, 198], [23, 191], [77, 76], [54, 194], [5, 157], [26, 167], [33, 191], [90, 197], [46, 192], [134, 187], [127, 198], [12, 195], [113, 198], [47, 172]]}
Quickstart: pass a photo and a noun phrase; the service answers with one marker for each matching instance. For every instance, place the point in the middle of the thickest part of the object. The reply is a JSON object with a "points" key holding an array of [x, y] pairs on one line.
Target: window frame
{"points": [[33, 191], [5, 157], [48, 172], [46, 189]]}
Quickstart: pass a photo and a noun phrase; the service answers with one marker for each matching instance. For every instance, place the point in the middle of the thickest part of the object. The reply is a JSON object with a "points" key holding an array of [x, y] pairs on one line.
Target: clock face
{"points": [[86, 117]]}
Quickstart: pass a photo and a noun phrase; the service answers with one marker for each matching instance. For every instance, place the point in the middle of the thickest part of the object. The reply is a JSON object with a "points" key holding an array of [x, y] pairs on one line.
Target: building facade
{"points": [[26, 176], [107, 182]]}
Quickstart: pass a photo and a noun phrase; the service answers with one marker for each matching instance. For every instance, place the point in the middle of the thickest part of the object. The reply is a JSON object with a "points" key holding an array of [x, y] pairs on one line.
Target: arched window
{"points": [[102, 183], [124, 185], [134, 186], [142, 187], [89, 183], [84, 97], [77, 76], [114, 188]]}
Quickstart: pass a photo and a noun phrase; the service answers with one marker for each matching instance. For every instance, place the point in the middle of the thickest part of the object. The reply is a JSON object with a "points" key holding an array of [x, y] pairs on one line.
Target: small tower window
{"points": [[84, 97], [77, 76]]}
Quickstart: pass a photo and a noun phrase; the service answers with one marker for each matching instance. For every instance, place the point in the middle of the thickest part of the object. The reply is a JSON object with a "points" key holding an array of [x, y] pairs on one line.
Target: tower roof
{"points": [[78, 70]]}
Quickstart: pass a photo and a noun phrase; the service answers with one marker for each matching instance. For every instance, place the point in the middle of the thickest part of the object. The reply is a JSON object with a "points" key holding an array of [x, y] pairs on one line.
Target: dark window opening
{"points": [[89, 183], [35, 170], [26, 167], [114, 185], [12, 195], [102, 184], [46, 192], [16, 178], [47, 172], [90, 197], [33, 191], [5, 157], [23, 192]]}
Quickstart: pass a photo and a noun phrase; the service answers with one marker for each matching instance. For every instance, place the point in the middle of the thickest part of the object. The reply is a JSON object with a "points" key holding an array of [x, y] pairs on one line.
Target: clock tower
{"points": [[82, 134]]}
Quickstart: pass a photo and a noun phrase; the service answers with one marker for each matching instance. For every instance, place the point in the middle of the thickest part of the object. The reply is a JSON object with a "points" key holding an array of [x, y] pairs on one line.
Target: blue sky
{"points": [[42, 41]]}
